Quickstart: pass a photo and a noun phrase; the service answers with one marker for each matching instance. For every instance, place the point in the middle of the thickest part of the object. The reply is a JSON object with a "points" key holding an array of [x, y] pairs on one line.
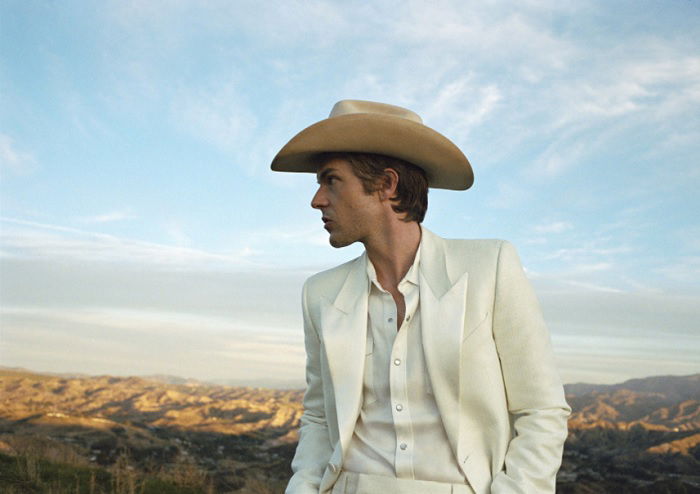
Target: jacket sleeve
{"points": [[314, 448], [534, 391]]}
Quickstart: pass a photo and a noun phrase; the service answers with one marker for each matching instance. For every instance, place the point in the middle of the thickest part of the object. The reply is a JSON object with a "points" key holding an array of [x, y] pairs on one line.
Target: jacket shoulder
{"points": [[480, 247], [327, 283], [475, 255], [484, 244]]}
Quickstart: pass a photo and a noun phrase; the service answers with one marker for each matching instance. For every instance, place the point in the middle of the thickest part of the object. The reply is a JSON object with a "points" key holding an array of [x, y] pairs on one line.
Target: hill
{"points": [[230, 434], [639, 436]]}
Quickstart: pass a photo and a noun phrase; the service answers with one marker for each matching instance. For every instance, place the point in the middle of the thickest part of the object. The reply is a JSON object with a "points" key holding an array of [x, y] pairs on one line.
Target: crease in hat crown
{"points": [[371, 127], [350, 106]]}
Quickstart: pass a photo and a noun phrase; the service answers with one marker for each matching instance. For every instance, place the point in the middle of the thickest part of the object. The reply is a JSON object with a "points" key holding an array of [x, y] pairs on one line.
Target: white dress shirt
{"points": [[399, 432]]}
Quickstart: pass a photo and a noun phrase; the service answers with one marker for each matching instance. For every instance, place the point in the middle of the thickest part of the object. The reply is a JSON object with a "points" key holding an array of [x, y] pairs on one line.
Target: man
{"points": [[429, 367]]}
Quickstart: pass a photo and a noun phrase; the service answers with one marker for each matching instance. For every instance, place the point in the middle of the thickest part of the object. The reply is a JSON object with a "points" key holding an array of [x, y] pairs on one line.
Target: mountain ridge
{"points": [[239, 433]]}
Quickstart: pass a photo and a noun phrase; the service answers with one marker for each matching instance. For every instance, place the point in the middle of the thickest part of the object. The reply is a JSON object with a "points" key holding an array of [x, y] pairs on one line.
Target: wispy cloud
{"points": [[589, 250], [39, 240], [593, 287], [588, 263], [508, 195], [559, 156], [311, 234], [219, 115], [592, 267], [689, 238], [109, 217], [159, 322], [685, 270], [176, 232], [554, 227], [468, 102], [191, 345], [13, 160], [651, 77]]}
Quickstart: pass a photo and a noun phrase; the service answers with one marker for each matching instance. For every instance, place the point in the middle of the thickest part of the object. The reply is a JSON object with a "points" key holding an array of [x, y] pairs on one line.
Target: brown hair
{"points": [[411, 192]]}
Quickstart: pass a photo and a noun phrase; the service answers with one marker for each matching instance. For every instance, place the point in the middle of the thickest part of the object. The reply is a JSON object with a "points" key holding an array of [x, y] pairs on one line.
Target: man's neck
{"points": [[393, 250]]}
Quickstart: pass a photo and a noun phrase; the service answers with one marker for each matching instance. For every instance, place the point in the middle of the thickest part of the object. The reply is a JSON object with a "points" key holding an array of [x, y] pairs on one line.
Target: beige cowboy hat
{"points": [[369, 127]]}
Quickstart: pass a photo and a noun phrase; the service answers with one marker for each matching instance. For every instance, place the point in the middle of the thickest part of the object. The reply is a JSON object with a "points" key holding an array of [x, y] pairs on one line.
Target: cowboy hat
{"points": [[369, 127]]}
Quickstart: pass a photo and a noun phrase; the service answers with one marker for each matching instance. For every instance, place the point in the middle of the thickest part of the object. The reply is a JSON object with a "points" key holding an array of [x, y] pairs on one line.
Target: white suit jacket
{"points": [[488, 356]]}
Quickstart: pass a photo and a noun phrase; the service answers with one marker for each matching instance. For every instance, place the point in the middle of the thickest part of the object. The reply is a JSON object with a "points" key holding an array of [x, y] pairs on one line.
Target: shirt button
{"points": [[397, 361], [399, 407], [408, 318], [403, 446], [391, 319]]}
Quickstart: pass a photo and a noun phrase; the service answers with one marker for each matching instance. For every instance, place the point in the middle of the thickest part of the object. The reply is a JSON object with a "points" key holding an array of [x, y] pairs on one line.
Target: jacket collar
{"points": [[354, 287], [434, 264]]}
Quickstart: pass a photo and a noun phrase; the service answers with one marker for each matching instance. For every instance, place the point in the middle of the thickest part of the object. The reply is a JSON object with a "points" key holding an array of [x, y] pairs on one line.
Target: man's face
{"points": [[349, 213]]}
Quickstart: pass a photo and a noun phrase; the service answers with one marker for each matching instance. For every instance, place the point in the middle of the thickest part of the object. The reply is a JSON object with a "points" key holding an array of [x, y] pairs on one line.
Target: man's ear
{"points": [[390, 184]]}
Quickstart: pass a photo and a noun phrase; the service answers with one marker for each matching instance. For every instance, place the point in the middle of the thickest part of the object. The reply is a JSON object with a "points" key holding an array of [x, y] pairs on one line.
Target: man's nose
{"points": [[319, 199]]}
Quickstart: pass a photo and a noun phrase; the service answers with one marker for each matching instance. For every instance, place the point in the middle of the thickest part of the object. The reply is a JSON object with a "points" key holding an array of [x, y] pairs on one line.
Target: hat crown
{"points": [[350, 106]]}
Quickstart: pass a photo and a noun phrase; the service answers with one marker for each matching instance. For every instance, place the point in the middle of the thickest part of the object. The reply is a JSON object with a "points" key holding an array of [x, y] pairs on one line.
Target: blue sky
{"points": [[142, 231]]}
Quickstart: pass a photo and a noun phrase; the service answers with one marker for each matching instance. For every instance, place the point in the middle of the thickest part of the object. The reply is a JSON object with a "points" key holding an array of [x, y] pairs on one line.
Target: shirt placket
{"points": [[398, 381]]}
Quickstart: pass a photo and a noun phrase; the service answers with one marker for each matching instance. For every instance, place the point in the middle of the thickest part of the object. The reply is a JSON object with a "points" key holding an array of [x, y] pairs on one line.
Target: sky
{"points": [[142, 231]]}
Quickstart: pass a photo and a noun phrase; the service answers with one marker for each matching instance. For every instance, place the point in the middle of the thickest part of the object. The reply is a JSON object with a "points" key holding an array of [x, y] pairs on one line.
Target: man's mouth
{"points": [[326, 222]]}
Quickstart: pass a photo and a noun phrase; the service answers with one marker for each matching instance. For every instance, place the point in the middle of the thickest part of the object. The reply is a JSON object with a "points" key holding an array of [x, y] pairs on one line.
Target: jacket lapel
{"points": [[344, 323], [443, 306]]}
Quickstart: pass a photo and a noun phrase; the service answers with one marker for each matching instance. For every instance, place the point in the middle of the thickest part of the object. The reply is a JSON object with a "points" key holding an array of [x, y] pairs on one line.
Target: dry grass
{"points": [[46, 449], [256, 485], [186, 473], [30, 472]]}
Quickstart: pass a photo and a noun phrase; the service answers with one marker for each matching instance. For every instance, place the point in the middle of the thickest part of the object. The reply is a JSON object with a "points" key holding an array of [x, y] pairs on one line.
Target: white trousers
{"points": [[360, 483]]}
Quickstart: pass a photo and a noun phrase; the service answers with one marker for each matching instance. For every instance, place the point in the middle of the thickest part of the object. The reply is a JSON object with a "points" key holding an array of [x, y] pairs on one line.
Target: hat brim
{"points": [[445, 165]]}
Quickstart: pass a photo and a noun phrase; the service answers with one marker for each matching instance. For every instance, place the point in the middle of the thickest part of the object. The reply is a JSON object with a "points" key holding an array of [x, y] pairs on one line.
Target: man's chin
{"points": [[339, 242]]}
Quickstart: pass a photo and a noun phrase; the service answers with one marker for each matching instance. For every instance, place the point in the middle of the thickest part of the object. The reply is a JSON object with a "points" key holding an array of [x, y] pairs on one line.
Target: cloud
{"points": [[280, 25], [592, 287], [176, 232], [689, 238], [133, 342], [587, 311], [104, 318], [309, 235], [14, 161], [592, 264], [301, 247], [592, 267], [219, 114], [685, 270], [559, 156], [601, 334], [625, 93], [483, 30], [553, 227], [160, 322], [508, 195], [26, 239], [110, 217], [590, 249], [590, 367], [651, 77], [116, 316], [470, 104]]}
